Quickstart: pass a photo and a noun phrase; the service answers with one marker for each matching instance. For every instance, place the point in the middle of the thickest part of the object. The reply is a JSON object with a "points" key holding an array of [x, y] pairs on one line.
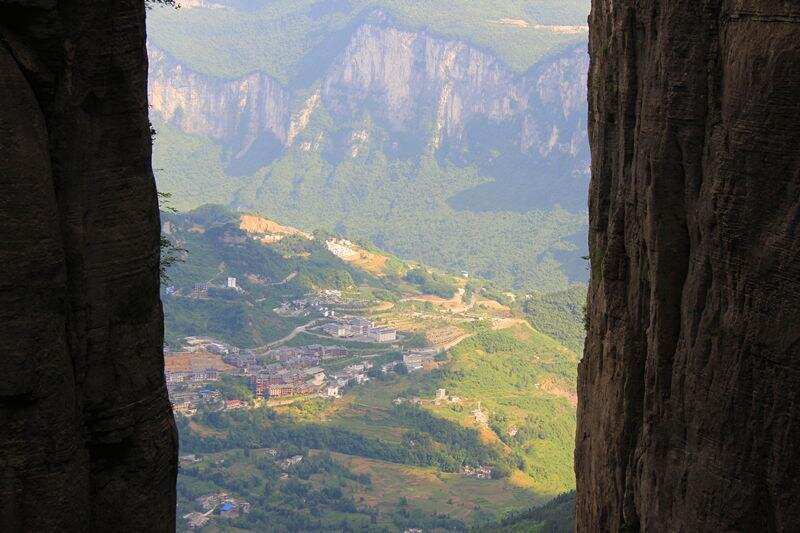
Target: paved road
{"points": [[295, 332]]}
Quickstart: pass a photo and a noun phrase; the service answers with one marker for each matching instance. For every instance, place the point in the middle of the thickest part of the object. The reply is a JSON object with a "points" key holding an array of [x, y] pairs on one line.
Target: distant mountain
{"points": [[452, 134]]}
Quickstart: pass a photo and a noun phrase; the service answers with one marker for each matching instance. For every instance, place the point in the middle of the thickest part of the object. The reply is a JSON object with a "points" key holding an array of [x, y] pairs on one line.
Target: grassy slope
{"points": [[430, 490], [502, 370], [280, 36], [505, 370], [218, 249], [425, 489], [560, 315]]}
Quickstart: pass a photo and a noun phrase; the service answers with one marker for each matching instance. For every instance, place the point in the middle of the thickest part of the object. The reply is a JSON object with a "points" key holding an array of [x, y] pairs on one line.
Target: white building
{"points": [[336, 330], [231, 283], [418, 358], [316, 375], [383, 334]]}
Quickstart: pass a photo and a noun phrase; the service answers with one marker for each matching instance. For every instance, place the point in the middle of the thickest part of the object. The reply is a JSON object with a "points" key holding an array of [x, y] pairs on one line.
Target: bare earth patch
{"points": [[194, 361]]}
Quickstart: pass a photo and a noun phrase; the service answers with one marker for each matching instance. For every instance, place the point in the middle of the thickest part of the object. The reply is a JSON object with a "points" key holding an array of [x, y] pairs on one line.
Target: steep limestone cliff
{"points": [[414, 78], [436, 89], [689, 390], [252, 112], [88, 441]]}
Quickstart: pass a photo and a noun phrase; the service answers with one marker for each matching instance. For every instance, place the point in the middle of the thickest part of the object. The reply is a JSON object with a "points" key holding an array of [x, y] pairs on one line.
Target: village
{"points": [[276, 374], [218, 504], [282, 372], [334, 341]]}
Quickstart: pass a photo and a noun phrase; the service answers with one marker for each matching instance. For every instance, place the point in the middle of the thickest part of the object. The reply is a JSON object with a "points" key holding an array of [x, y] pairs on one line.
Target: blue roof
{"points": [[226, 507]]}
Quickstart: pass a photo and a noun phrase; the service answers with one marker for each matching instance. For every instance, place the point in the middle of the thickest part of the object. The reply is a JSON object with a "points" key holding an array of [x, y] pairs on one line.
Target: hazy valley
{"points": [[361, 121], [309, 368]]}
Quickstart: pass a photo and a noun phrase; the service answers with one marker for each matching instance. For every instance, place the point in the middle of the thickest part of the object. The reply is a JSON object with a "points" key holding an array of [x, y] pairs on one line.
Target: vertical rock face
{"points": [[435, 89], [415, 78], [88, 441], [689, 408], [241, 112]]}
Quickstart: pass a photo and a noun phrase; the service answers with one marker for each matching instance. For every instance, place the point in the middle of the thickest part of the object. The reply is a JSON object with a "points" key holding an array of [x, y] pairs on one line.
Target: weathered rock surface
{"points": [[88, 442], [689, 391]]}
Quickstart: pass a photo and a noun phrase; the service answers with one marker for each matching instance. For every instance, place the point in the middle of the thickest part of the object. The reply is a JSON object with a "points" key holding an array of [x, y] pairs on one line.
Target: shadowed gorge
{"points": [[688, 391], [88, 441]]}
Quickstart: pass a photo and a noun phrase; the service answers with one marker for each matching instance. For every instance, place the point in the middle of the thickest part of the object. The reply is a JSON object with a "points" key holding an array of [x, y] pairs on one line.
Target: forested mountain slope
{"points": [[452, 133]]}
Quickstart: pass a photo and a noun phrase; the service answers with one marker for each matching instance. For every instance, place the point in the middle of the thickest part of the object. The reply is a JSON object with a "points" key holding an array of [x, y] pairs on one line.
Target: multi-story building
{"points": [[381, 334], [419, 357], [337, 330]]}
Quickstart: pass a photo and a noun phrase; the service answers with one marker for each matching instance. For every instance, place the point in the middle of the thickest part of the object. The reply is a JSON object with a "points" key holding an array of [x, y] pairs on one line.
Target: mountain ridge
{"points": [[404, 138], [313, 28]]}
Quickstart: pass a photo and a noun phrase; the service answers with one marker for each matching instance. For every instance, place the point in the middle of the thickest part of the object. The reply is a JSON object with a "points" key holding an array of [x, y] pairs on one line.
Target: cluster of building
{"points": [[279, 381], [311, 352], [442, 397], [192, 376], [294, 371], [478, 472], [322, 303], [186, 399], [304, 307], [287, 382], [350, 375], [200, 290], [207, 344], [278, 372], [417, 359], [359, 328], [187, 384], [216, 504]]}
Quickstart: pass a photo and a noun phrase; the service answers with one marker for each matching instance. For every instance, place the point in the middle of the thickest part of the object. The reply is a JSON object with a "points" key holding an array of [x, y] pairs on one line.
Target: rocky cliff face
{"points": [[414, 79], [250, 112], [689, 404], [88, 441], [413, 83]]}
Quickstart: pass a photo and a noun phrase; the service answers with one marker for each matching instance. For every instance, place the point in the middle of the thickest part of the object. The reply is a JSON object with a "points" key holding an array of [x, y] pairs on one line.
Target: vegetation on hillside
{"points": [[560, 315], [289, 38], [518, 380], [430, 282], [525, 381], [400, 206], [527, 443], [217, 249], [469, 207], [555, 516]]}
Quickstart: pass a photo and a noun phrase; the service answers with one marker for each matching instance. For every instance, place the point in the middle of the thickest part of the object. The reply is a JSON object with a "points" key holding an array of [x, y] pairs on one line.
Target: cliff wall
{"points": [[689, 390], [88, 442], [434, 89]]}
